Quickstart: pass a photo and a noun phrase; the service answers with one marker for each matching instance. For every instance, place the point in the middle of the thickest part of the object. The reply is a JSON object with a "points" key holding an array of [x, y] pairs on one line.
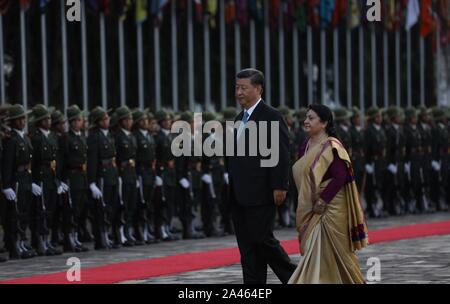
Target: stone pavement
{"points": [[424, 260]]}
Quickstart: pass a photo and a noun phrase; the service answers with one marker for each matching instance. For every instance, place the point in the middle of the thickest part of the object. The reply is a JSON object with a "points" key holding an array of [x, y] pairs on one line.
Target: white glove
{"points": [[138, 184], [64, 186], [206, 178], [436, 165], [9, 194], [184, 183], [96, 193], [158, 181], [407, 168], [393, 168], [369, 169], [36, 190], [225, 177]]}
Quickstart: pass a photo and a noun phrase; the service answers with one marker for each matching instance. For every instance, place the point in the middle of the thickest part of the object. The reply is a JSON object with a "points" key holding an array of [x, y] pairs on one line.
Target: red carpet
{"points": [[144, 269]]}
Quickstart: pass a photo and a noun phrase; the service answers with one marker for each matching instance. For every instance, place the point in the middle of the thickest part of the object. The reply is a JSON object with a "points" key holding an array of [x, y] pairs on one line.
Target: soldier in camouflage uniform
{"points": [[17, 184], [395, 152], [185, 167], [145, 169], [342, 116], [440, 159], [357, 153], [375, 154], [73, 166], [165, 181], [46, 182], [213, 168], [425, 135], [103, 179]]}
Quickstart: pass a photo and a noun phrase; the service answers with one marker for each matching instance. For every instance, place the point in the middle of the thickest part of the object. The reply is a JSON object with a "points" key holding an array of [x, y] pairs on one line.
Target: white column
{"points": [[295, 61], [310, 64], [23, 59], [173, 24], [237, 46], [84, 56], [323, 66], [362, 105], [2, 61], [373, 43], [397, 69], [267, 70], [123, 92], [64, 57], [337, 99], [190, 33], [349, 68], [223, 57], [408, 72], [157, 67], [385, 69], [103, 61], [207, 62], [438, 65], [281, 77], [140, 65], [422, 71], [44, 58]]}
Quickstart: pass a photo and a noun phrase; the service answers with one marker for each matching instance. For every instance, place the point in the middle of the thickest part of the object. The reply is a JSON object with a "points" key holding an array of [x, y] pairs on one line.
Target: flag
{"points": [[4, 5], [444, 12], [141, 13], [24, 4], [96, 6], [241, 12], [230, 11], [314, 12], [211, 10], [354, 14], [427, 21], [340, 10], [156, 7], [256, 10], [388, 16], [198, 10], [274, 12], [412, 14], [300, 14], [288, 14], [121, 8], [326, 12]]}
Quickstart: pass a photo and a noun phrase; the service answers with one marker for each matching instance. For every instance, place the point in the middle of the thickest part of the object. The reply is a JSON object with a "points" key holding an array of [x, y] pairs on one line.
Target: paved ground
{"points": [[425, 260]]}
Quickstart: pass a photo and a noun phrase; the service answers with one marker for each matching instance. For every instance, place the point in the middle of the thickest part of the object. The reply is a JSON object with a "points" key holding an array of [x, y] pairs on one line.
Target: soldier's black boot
{"points": [[140, 235], [117, 237], [53, 249], [69, 243], [79, 246], [41, 247], [129, 239], [84, 235]]}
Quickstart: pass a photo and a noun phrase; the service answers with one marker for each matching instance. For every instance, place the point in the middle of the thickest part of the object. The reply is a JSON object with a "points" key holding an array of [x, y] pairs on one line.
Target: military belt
{"points": [[110, 162], [131, 163], [49, 164], [80, 168], [24, 168]]}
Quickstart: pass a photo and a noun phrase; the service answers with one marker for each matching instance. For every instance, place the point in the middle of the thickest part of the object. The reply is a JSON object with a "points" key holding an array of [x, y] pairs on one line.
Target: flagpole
{"points": [[103, 61], [44, 58], [336, 65], [123, 93], [237, 46], [408, 73], [157, 66], [323, 66], [422, 71], [84, 56], [268, 77], [223, 57], [140, 63], [281, 78], [374, 66], [252, 43], [361, 72], [295, 60], [397, 68], [173, 22], [64, 56], [23, 59], [310, 64], [190, 58], [386, 69], [349, 68], [207, 62], [2, 62]]}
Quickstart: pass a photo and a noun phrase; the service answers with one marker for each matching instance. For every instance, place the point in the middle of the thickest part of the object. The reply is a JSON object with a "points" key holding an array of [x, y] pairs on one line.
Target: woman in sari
{"points": [[329, 218]]}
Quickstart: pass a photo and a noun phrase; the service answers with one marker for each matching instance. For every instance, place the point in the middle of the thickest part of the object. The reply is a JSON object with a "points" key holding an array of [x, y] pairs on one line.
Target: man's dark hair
{"points": [[256, 77]]}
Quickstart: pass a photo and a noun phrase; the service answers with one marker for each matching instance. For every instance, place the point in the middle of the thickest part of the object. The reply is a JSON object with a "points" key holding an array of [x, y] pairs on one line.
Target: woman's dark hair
{"points": [[326, 116]]}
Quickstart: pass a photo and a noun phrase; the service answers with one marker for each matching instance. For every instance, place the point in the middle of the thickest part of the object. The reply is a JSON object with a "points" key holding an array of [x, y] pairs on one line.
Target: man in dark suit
{"points": [[255, 190]]}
